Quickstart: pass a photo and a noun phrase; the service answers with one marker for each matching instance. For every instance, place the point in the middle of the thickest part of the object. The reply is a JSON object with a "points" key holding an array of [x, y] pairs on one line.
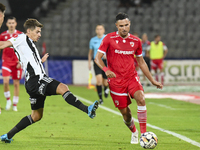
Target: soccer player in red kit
{"points": [[2, 11], [10, 64], [120, 48]]}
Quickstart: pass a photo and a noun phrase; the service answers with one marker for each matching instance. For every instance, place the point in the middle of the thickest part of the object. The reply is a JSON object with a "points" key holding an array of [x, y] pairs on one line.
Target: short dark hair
{"points": [[32, 24], [2, 7], [100, 24], [121, 16], [157, 35], [11, 17]]}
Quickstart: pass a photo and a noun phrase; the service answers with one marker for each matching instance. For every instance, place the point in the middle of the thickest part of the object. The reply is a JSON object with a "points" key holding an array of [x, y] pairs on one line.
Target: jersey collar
{"points": [[122, 37], [14, 32]]}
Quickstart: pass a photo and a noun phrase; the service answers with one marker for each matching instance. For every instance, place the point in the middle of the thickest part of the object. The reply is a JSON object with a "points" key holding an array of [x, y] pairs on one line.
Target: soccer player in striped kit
{"points": [[38, 85]]}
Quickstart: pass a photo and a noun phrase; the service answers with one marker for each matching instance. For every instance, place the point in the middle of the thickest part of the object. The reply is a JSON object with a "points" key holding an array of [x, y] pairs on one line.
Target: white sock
{"points": [[15, 100], [7, 95], [142, 107]]}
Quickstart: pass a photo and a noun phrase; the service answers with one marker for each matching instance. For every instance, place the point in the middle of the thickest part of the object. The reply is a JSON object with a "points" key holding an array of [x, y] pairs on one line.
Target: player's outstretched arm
{"points": [[143, 66], [4, 44], [44, 58], [101, 65]]}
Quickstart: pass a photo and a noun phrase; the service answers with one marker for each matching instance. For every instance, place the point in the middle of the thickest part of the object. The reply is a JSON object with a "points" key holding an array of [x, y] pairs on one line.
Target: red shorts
{"points": [[120, 94], [157, 63], [8, 70]]}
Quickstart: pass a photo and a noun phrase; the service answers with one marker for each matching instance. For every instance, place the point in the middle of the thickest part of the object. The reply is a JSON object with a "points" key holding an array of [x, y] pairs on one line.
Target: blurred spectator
{"points": [[145, 45], [134, 3], [157, 52], [124, 3]]}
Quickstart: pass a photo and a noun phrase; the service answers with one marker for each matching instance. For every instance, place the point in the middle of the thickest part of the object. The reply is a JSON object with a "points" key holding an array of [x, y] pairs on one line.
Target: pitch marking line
{"points": [[161, 105], [182, 137]]}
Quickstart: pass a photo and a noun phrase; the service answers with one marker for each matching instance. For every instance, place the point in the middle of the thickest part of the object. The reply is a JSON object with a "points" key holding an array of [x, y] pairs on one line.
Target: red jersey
{"points": [[8, 54], [120, 54]]}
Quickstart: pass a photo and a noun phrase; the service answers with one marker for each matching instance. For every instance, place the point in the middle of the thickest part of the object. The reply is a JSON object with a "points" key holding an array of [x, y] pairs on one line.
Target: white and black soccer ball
{"points": [[148, 140]]}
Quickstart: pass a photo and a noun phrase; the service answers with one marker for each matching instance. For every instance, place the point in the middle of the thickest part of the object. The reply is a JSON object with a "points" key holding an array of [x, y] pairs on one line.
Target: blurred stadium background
{"points": [[69, 25]]}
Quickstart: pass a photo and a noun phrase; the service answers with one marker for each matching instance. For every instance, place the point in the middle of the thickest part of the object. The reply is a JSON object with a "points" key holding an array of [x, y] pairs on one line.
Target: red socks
{"points": [[156, 76], [142, 118], [131, 125], [162, 78]]}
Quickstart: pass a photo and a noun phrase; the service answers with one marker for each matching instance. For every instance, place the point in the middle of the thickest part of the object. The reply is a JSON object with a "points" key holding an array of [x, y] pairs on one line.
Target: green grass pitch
{"points": [[64, 127]]}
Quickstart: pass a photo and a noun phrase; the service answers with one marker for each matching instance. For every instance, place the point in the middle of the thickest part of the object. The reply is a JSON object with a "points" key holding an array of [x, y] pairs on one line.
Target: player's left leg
{"points": [[136, 91], [16, 94], [6, 73], [141, 110], [161, 71], [106, 89]]}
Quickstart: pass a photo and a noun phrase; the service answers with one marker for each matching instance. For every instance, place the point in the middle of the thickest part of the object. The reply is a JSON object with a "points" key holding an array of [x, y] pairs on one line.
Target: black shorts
{"points": [[148, 62], [38, 90], [98, 70]]}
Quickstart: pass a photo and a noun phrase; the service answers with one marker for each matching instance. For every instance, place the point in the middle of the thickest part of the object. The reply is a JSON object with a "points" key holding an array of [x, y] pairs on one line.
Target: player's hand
{"points": [[157, 84], [110, 74], [44, 58], [18, 65]]}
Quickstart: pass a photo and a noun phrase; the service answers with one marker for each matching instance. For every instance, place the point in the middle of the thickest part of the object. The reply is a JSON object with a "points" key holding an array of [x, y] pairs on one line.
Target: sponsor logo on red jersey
{"points": [[124, 52]]}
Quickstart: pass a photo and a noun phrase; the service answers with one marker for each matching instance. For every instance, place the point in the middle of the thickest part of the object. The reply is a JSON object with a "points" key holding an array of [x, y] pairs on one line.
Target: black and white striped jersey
{"points": [[28, 55]]}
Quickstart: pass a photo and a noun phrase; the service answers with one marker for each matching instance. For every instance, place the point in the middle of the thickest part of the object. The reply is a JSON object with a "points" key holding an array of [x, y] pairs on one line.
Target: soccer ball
{"points": [[148, 140]]}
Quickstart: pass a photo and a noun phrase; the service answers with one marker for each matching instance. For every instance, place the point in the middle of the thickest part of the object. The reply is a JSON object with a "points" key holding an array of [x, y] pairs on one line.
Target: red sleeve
{"points": [[104, 44], [163, 43], [148, 43], [138, 52], [19, 32]]}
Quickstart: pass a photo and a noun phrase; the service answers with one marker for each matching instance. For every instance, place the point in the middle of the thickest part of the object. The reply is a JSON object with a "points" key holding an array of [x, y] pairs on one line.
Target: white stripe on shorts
{"points": [[5, 68], [119, 94]]}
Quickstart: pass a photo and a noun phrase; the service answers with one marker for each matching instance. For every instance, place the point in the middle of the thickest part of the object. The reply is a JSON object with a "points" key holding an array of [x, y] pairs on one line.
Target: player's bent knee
{"points": [[62, 88], [6, 84], [99, 82], [37, 117], [126, 113], [140, 98]]}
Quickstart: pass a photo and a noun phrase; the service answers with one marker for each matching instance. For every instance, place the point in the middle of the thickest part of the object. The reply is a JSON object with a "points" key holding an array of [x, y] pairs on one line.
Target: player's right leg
{"points": [[37, 105], [160, 66], [99, 82], [16, 94], [7, 91], [121, 100], [129, 121], [155, 67], [105, 81]]}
